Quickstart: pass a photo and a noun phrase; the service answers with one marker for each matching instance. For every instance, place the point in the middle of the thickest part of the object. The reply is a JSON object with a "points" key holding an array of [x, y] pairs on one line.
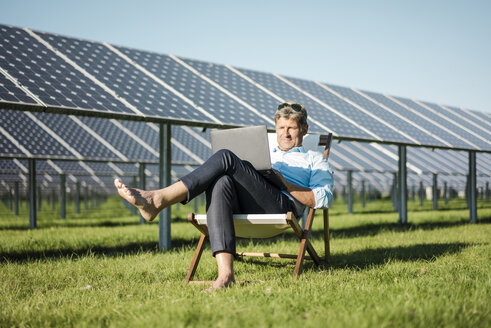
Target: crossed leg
{"points": [[151, 202]]}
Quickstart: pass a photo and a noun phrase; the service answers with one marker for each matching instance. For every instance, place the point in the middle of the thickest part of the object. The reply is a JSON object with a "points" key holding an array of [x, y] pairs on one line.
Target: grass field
{"points": [[102, 268]]}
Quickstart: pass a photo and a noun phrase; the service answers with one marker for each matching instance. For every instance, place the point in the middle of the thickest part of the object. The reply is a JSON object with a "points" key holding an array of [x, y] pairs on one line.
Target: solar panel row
{"points": [[73, 73]]}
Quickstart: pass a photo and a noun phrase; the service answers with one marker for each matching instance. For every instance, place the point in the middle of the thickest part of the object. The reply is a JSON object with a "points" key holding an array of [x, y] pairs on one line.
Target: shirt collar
{"points": [[293, 150]]}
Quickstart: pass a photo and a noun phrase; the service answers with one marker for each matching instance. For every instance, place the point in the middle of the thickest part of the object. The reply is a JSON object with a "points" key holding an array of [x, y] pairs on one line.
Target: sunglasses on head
{"points": [[295, 107]]}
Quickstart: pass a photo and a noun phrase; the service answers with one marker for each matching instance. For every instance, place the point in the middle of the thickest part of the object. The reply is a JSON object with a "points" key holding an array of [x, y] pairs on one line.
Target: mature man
{"points": [[234, 186]]}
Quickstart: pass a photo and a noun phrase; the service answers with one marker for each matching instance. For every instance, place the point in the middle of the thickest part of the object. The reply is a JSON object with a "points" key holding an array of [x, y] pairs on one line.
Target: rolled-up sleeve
{"points": [[321, 181]]}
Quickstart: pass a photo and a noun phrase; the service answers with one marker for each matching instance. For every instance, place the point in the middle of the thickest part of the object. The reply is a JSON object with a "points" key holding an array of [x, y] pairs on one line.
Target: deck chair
{"points": [[270, 225]]}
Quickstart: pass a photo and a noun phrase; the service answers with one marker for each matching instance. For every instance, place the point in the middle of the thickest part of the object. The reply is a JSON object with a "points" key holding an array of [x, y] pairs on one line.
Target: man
{"points": [[234, 186]]}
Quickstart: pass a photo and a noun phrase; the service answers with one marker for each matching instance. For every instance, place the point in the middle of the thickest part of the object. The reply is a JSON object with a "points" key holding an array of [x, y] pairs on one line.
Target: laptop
{"points": [[250, 144]]}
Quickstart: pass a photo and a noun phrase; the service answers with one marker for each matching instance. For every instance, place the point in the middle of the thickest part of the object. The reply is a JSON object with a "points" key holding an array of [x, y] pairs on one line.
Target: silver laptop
{"points": [[250, 144]]}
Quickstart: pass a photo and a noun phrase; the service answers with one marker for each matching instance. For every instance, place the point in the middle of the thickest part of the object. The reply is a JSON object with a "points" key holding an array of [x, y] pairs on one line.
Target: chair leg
{"points": [[304, 243], [327, 246], [196, 258], [301, 255]]}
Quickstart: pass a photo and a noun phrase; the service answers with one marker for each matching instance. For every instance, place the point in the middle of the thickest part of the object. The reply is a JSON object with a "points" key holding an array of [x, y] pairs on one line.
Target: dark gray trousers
{"points": [[232, 186]]}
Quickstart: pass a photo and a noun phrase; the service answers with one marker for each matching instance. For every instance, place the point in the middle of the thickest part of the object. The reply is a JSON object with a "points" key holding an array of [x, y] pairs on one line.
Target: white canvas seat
{"points": [[255, 225]]}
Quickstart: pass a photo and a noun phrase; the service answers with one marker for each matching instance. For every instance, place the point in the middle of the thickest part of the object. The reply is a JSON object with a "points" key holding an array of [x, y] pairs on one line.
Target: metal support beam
{"points": [[487, 192], [402, 185], [77, 197], [10, 201], [63, 196], [435, 191], [350, 191], [445, 192], [164, 181], [421, 193], [86, 197], [32, 194], [143, 184], [53, 199], [394, 193], [362, 195], [472, 187], [16, 198]]}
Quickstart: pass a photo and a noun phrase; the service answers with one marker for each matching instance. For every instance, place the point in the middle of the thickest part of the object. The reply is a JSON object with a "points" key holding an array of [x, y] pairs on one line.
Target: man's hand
{"points": [[283, 180], [303, 194]]}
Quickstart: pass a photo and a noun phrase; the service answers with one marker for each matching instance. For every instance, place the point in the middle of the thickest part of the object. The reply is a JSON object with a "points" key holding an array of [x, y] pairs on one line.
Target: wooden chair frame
{"points": [[302, 234]]}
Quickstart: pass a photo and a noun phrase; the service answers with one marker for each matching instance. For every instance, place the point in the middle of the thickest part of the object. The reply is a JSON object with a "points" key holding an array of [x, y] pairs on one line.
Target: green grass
{"points": [[102, 268]]}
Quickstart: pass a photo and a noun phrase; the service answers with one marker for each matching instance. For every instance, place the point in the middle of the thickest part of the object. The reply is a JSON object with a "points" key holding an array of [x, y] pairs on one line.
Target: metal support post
{"points": [[32, 194], [472, 187], [445, 191], [487, 192], [77, 197], [63, 196], [86, 197], [350, 192], [143, 184], [435, 191], [402, 185], [39, 198], [164, 180], [10, 201], [53, 199], [362, 195], [16, 198], [421, 193], [395, 193]]}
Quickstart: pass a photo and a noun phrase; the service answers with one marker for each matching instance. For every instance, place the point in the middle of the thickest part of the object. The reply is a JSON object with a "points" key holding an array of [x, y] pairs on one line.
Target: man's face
{"points": [[288, 134]]}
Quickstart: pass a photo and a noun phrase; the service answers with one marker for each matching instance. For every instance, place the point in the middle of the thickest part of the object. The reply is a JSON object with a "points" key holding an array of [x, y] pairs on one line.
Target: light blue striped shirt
{"points": [[307, 169]]}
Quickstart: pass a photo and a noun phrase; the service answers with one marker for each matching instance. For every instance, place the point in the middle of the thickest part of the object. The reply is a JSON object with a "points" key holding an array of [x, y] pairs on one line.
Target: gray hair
{"points": [[299, 114]]}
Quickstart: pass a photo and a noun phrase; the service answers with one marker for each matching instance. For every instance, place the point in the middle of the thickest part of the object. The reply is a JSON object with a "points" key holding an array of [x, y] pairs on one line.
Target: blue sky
{"points": [[438, 51]]}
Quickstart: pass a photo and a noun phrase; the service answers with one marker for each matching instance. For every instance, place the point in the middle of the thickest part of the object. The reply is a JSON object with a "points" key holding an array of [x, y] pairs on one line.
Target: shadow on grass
{"points": [[370, 258], [72, 224], [372, 229], [89, 251]]}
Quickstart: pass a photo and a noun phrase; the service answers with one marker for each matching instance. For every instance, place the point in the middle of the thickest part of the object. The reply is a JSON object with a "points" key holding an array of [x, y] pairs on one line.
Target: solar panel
{"points": [[445, 137], [118, 141], [149, 133], [192, 143], [465, 136], [24, 130], [363, 118], [328, 121], [147, 96], [12, 93], [213, 100], [428, 160], [8, 165], [398, 121], [457, 115], [263, 102], [375, 159], [49, 77], [7, 146]]}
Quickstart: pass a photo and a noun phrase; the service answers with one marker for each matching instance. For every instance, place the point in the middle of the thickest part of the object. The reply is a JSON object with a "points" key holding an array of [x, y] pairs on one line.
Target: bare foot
{"points": [[220, 283], [142, 199]]}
